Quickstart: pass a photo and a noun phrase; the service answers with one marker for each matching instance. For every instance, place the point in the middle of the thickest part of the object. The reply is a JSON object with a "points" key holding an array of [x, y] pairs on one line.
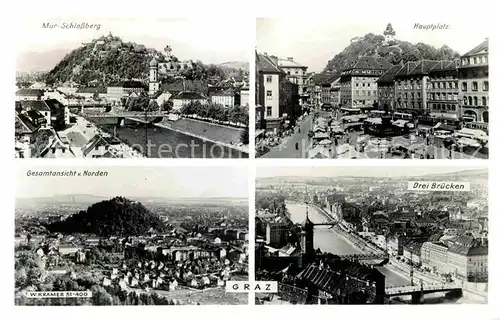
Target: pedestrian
{"points": [[296, 145]]}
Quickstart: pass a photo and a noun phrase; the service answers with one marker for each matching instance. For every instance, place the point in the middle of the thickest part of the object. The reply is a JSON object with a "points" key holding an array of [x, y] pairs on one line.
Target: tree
{"points": [[167, 106], [100, 297], [244, 138]]}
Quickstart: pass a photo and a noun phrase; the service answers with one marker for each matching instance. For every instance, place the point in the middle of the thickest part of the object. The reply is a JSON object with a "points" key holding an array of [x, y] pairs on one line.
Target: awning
{"points": [[468, 142], [446, 116], [319, 129], [374, 120], [321, 135], [472, 133], [400, 123], [445, 127], [350, 109], [352, 124]]}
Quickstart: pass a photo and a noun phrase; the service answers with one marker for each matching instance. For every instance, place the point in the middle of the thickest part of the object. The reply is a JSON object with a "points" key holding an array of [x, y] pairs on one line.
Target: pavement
{"points": [[287, 147]]}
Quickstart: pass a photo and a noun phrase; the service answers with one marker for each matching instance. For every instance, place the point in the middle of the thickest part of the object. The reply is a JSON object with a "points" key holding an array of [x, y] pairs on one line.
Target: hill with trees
{"points": [[117, 216], [396, 52], [110, 59]]}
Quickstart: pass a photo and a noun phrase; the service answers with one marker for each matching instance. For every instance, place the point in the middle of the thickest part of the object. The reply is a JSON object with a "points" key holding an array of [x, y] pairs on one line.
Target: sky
{"points": [[357, 171], [210, 41], [164, 182], [315, 40]]}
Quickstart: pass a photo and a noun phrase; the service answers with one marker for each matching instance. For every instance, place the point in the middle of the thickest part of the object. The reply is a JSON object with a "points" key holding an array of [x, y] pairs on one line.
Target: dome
{"points": [[153, 63]]}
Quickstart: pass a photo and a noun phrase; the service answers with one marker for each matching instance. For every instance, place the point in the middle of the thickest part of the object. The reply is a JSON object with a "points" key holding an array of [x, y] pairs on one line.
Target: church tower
{"points": [[389, 33], [307, 239], [154, 85]]}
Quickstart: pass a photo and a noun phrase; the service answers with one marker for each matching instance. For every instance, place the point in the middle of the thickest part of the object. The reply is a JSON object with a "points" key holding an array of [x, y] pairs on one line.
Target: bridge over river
{"points": [[417, 292]]}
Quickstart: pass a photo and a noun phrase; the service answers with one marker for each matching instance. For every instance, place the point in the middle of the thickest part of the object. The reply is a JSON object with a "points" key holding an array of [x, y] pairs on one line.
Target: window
{"points": [[63, 150], [465, 101], [486, 86], [363, 84], [288, 72], [269, 94], [368, 92], [475, 101], [475, 60], [464, 86], [357, 84], [470, 101], [269, 79], [453, 107], [483, 100], [474, 86], [269, 111], [368, 84]]}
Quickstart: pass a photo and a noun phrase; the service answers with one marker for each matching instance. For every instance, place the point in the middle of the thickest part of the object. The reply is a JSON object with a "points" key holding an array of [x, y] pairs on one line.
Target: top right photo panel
{"points": [[371, 89]]}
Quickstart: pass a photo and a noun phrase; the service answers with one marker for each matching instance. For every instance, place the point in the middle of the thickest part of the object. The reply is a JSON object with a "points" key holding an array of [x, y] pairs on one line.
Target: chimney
{"points": [[290, 58]]}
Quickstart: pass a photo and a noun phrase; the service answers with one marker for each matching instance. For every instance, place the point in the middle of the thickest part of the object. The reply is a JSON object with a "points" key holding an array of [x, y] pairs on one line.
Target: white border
{"points": [[247, 10]]}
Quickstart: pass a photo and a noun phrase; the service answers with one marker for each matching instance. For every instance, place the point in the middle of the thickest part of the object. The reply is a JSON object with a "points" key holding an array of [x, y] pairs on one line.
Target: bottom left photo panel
{"points": [[130, 235]]}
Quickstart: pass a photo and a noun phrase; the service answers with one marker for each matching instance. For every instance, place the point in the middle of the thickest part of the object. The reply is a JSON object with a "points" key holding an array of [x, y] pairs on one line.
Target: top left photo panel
{"points": [[132, 88]]}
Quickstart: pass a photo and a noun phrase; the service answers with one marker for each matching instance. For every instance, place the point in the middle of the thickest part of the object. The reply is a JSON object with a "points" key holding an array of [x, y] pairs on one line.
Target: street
{"points": [[287, 147]]}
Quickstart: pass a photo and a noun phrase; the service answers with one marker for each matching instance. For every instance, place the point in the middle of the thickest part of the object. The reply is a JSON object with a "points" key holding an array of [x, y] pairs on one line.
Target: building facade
{"points": [[435, 255], [276, 94], [411, 84], [474, 87], [276, 234], [358, 87], [296, 73], [386, 90], [442, 87]]}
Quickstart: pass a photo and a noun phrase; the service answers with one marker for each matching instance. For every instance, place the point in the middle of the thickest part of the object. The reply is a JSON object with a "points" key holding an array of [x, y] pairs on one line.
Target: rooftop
{"points": [[189, 95], [266, 64], [483, 47]]}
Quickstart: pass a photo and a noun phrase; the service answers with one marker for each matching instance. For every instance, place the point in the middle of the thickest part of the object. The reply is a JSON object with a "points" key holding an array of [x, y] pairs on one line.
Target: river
{"points": [[165, 143], [329, 241]]}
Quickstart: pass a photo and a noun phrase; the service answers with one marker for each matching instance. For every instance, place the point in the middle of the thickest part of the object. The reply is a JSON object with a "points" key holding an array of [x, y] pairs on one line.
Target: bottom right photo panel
{"points": [[372, 235]]}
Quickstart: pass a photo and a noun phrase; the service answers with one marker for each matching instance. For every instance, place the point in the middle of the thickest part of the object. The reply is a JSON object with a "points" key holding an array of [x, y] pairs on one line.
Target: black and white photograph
{"points": [[130, 235], [372, 235], [132, 88], [352, 89]]}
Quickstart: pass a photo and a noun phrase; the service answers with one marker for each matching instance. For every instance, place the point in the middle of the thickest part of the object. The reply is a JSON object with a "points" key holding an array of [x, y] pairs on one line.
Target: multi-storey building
{"points": [[277, 95], [474, 86], [296, 74], [411, 87], [226, 97], [327, 83], [434, 255], [442, 87], [359, 82], [468, 263], [335, 92], [386, 90], [277, 234]]}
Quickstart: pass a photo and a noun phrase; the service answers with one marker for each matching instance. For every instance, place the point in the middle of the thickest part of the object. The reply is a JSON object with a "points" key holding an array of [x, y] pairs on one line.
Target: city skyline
{"points": [[40, 49], [358, 171], [155, 182], [321, 40]]}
